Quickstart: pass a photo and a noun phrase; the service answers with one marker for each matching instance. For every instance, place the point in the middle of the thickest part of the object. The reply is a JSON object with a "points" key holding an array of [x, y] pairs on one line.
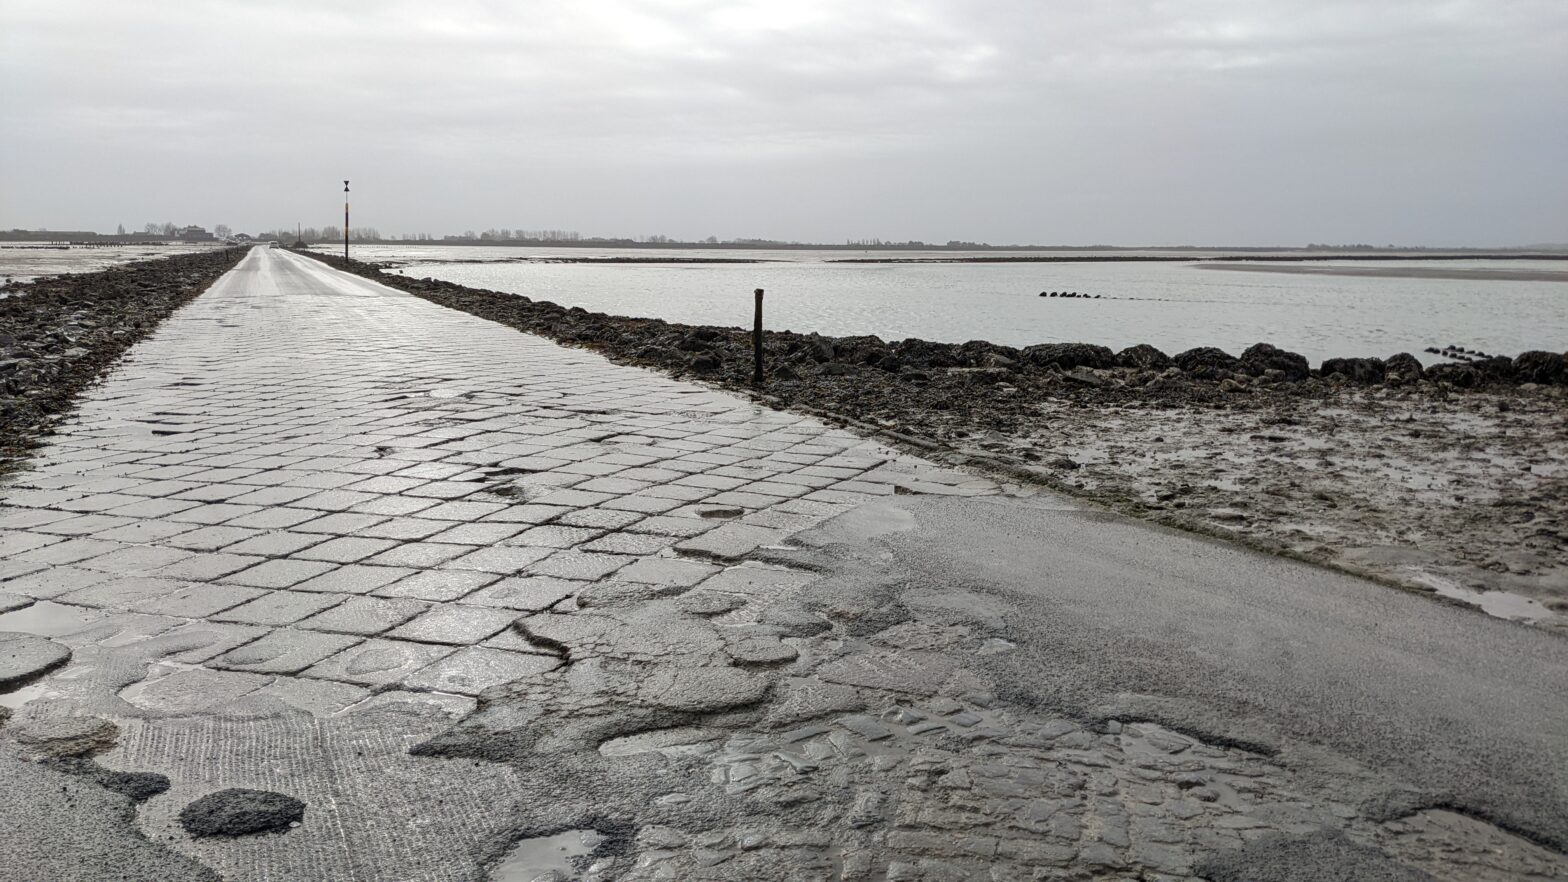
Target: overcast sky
{"points": [[1245, 122]]}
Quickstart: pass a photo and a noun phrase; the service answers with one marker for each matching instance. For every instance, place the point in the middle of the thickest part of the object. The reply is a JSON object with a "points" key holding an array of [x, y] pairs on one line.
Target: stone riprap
{"points": [[461, 591]]}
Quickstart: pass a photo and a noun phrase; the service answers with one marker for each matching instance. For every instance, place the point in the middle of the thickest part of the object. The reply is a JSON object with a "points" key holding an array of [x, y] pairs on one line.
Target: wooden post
{"points": [[756, 343]]}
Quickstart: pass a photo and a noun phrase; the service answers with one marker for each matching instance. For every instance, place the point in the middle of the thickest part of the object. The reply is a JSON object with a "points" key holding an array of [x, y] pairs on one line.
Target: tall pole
{"points": [[345, 221]]}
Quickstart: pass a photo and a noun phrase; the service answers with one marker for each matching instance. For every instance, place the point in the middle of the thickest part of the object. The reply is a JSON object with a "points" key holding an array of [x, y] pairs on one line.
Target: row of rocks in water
{"points": [[58, 334], [725, 353]]}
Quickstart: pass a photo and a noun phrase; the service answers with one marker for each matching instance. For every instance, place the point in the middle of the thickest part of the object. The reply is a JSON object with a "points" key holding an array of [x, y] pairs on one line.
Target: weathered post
{"points": [[756, 343], [345, 221]]}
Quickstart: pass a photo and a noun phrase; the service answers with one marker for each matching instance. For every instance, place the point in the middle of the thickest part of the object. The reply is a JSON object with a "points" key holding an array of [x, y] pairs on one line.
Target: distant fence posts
{"points": [[756, 343]]}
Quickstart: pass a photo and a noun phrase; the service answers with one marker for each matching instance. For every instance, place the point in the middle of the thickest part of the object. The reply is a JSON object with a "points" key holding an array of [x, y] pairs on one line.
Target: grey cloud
{"points": [[1209, 121]]}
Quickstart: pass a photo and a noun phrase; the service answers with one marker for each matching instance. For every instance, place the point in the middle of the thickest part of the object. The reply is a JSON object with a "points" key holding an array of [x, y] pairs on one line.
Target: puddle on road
{"points": [[19, 697], [1502, 604], [546, 858], [49, 619]]}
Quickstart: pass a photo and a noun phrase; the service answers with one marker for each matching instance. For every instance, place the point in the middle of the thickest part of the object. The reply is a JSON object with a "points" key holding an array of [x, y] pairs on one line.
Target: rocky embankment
{"points": [[59, 334], [1447, 478]]}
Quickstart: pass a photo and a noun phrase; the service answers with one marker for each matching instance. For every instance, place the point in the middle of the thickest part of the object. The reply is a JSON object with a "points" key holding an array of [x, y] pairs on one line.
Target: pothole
{"points": [[554, 858]]}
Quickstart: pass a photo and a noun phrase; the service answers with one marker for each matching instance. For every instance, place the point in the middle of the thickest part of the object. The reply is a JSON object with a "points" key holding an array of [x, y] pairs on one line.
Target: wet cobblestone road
{"points": [[312, 522]]}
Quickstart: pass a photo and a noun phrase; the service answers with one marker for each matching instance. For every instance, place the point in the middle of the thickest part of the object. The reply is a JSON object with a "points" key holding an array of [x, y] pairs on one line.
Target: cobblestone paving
{"points": [[312, 522], [358, 487]]}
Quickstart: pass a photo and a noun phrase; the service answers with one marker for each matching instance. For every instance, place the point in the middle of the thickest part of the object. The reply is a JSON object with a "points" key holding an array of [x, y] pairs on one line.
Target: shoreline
{"points": [[1488, 274], [69, 330], [1438, 480]]}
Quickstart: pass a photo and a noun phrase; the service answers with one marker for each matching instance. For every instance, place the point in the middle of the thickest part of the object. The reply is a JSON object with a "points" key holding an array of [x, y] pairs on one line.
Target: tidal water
{"points": [[1173, 306], [25, 261]]}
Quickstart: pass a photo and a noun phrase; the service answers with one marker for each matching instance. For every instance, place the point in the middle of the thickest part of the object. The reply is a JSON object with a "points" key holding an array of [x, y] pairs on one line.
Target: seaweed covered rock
{"points": [[925, 354], [1143, 357], [1461, 375], [1205, 358], [1402, 369], [1260, 358], [1536, 366], [1498, 368], [1357, 370], [1069, 355]]}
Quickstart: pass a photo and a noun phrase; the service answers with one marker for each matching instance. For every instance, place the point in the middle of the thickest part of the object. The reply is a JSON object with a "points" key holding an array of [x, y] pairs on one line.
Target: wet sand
{"points": [[1397, 272]]}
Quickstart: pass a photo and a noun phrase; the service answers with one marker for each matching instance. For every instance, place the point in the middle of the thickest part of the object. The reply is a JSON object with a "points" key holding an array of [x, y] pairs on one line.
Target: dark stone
{"points": [[1263, 357], [240, 812], [1402, 368], [1497, 367], [925, 354], [1069, 355], [706, 363], [1205, 357], [1143, 357], [1360, 370], [1541, 367], [1461, 375]]}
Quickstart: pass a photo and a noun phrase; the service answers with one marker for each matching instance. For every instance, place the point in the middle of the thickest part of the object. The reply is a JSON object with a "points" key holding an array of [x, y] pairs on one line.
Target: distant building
{"points": [[193, 233]]}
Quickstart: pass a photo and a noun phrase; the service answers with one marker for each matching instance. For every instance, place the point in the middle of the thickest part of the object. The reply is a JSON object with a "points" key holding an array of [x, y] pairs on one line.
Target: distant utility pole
{"points": [[345, 221]]}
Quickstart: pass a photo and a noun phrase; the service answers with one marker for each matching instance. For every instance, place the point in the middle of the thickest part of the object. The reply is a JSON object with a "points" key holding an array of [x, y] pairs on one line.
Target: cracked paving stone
{"points": [[378, 662], [196, 601], [123, 593], [578, 565], [26, 657], [284, 651], [55, 581], [666, 571], [12, 602], [318, 697], [354, 579], [530, 593], [279, 608], [437, 585], [365, 615], [472, 670], [192, 690], [62, 737], [501, 559], [456, 624], [279, 573]]}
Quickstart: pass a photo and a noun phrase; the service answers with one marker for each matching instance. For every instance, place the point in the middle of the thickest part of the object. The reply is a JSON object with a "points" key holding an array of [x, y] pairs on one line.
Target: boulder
{"points": [[1461, 375], [1541, 367], [1205, 357], [1497, 367], [1069, 355], [1143, 357], [1263, 357], [818, 348], [924, 353], [1402, 368], [1359, 370]]}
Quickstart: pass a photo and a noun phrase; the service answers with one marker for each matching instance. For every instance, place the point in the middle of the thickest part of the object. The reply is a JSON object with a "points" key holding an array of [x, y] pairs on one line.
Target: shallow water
{"points": [[24, 261], [1174, 306], [545, 858]]}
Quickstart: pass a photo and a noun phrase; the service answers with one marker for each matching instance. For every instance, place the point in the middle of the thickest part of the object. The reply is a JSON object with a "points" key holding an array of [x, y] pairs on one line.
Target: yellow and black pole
{"points": [[345, 221]]}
